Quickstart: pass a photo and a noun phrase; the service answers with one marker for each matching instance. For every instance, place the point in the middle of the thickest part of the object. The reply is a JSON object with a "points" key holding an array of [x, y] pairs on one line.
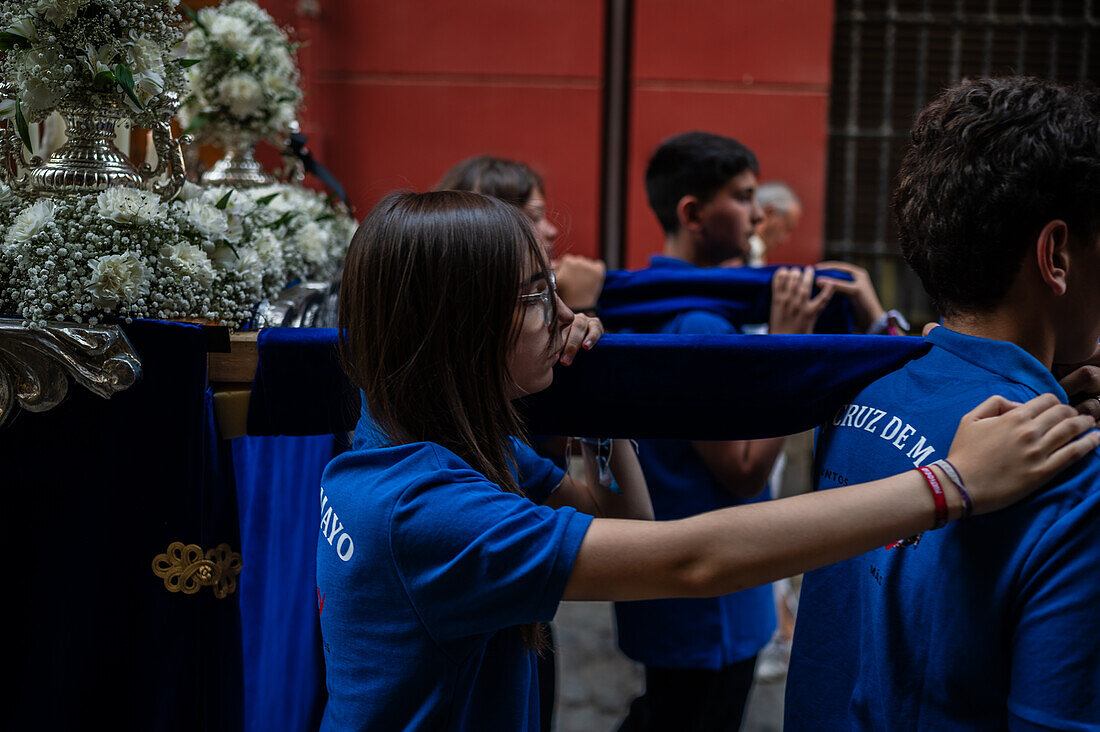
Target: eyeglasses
{"points": [[547, 297]]}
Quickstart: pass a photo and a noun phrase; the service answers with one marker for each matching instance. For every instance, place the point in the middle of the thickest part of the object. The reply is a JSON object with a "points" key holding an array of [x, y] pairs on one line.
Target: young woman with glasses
{"points": [[445, 543]]}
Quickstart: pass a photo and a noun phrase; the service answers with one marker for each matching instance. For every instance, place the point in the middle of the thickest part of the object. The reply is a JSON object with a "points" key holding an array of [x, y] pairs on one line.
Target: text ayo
{"points": [[895, 430], [332, 529]]}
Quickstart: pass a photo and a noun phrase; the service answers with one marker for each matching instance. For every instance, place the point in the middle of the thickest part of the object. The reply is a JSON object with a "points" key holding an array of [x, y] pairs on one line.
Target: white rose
{"points": [[31, 220], [187, 259], [206, 219], [130, 206], [241, 94], [117, 278]]}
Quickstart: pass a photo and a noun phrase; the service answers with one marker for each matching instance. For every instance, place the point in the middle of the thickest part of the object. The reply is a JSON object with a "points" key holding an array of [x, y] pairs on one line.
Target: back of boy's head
{"points": [[692, 164], [992, 161]]}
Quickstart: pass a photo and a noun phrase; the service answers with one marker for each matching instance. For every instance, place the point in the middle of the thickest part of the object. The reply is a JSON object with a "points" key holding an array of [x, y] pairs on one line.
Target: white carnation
{"points": [[278, 84], [207, 220], [130, 206], [239, 203], [57, 12], [313, 243], [244, 260], [38, 94], [189, 192], [7, 197], [190, 260], [148, 56], [117, 279], [232, 33], [31, 220], [270, 250], [241, 94]]}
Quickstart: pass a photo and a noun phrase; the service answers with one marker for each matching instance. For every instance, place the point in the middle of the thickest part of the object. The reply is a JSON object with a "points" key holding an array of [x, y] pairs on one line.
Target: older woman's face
{"points": [[535, 208]]}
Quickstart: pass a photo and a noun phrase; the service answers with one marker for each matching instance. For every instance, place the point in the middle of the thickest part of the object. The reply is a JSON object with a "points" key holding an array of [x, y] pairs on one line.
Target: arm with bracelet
{"points": [[731, 549]]}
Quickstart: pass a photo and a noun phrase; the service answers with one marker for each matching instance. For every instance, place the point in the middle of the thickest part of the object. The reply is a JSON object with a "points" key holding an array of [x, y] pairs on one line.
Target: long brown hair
{"points": [[427, 303]]}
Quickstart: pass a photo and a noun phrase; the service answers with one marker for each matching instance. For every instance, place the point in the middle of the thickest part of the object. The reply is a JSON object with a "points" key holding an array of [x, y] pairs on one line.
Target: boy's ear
{"points": [[1052, 252], [687, 213]]}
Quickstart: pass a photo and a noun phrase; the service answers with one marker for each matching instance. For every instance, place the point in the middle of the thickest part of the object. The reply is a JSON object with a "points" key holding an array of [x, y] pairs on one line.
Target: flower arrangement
{"points": [[246, 86], [117, 52], [125, 253], [314, 229]]}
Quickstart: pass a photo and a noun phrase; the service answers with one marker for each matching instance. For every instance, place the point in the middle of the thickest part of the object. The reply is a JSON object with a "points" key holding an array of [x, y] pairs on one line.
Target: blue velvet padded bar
{"points": [[693, 387], [640, 300]]}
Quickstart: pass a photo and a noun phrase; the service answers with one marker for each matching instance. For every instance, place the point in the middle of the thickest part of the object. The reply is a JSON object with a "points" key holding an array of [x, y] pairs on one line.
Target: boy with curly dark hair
{"points": [[990, 622]]}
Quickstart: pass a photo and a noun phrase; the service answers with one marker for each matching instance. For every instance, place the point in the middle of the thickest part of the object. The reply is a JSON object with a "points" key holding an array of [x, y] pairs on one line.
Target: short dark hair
{"points": [[508, 180], [992, 161], [692, 164]]}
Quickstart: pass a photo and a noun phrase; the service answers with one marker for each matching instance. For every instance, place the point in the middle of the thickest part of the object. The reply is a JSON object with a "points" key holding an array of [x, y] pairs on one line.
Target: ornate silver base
{"points": [[238, 169], [35, 365], [87, 163]]}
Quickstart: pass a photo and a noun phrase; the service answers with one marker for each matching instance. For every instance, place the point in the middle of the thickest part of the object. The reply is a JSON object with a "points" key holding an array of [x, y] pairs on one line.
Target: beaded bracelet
{"points": [[950, 471]]}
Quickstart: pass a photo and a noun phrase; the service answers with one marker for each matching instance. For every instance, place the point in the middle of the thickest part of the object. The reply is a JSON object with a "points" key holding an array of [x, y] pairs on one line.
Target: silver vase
{"points": [[89, 162], [239, 168]]}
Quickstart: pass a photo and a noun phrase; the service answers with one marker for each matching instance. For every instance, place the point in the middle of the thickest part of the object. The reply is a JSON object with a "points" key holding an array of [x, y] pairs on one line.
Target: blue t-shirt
{"points": [[709, 632], [989, 623], [424, 571]]}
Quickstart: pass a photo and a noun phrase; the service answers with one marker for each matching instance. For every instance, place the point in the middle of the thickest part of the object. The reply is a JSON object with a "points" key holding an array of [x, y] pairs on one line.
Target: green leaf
{"points": [[197, 122], [186, 63], [125, 79], [8, 41], [223, 202], [194, 17], [267, 199], [21, 126], [104, 80], [283, 219], [325, 217]]}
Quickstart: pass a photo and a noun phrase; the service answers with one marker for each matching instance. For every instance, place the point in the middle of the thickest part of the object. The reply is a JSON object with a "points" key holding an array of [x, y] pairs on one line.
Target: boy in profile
{"points": [[991, 622]]}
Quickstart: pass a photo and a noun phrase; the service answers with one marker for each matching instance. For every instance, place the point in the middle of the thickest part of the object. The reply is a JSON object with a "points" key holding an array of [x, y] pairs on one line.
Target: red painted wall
{"points": [[755, 71], [397, 92]]}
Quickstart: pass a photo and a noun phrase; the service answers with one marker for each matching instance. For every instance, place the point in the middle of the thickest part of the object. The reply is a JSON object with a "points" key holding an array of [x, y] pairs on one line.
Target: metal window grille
{"points": [[890, 57]]}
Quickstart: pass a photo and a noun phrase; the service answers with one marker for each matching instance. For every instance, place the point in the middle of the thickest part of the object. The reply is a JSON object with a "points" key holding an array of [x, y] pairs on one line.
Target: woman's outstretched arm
{"points": [[1002, 450]]}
